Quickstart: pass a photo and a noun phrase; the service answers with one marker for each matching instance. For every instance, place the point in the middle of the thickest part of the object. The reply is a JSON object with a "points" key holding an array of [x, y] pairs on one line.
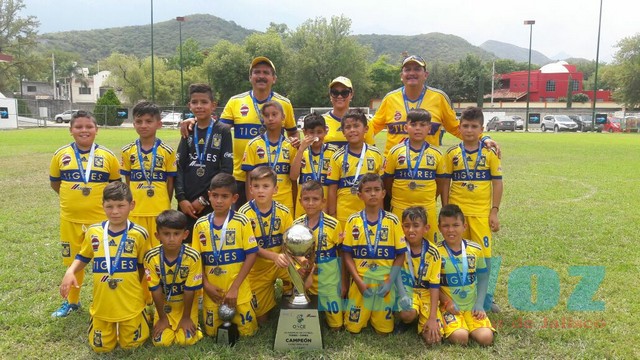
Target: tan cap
{"points": [[341, 80], [416, 59], [261, 59]]}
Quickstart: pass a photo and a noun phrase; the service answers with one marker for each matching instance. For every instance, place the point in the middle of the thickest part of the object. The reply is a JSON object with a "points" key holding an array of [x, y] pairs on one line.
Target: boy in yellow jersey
{"points": [[272, 149], [373, 252], [325, 279], [174, 273], [463, 282], [420, 278], [228, 247], [79, 172], [312, 160], [117, 247], [269, 220], [348, 164], [476, 185], [149, 167], [414, 171]]}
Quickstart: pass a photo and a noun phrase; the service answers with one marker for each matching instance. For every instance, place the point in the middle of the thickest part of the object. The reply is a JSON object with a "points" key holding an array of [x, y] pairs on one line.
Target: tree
{"points": [[227, 70], [469, 74], [128, 76], [106, 110], [384, 77], [192, 56], [626, 71], [271, 46], [18, 39]]}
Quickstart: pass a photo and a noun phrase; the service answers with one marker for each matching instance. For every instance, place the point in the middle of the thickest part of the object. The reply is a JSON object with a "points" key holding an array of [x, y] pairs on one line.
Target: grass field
{"points": [[570, 200]]}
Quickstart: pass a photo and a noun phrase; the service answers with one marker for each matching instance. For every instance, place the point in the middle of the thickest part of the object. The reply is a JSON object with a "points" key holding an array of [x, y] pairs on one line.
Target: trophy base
{"points": [[227, 334], [298, 326], [299, 299]]}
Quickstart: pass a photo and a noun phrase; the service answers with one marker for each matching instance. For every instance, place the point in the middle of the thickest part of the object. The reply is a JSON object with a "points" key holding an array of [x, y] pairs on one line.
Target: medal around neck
{"points": [[227, 333]]}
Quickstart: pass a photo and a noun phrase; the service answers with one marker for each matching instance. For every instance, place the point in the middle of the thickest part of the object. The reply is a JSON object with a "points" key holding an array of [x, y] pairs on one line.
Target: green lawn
{"points": [[570, 200]]}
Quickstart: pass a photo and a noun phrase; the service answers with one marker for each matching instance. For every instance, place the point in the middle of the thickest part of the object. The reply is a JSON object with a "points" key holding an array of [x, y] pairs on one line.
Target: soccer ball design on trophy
{"points": [[227, 332], [298, 243]]}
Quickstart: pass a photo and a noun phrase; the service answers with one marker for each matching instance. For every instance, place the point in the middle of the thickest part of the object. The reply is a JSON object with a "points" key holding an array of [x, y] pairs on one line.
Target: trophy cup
{"points": [[227, 332], [299, 322]]}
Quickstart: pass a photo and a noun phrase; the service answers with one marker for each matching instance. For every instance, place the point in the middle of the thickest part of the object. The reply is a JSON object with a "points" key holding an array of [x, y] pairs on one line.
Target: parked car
{"points": [[65, 116], [630, 123], [171, 119], [519, 122], [612, 125], [558, 123], [583, 122], [498, 123]]}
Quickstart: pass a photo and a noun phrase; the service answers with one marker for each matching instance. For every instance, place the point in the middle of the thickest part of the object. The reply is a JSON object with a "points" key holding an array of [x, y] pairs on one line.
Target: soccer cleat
{"points": [[65, 309], [495, 308]]}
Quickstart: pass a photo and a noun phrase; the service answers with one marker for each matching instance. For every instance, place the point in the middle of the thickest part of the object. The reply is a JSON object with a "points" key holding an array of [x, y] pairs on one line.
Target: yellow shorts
{"points": [[71, 238], [478, 231], [330, 302], [149, 223], [262, 281], [245, 319], [359, 310], [432, 221], [174, 334], [422, 306], [464, 320], [104, 335]]}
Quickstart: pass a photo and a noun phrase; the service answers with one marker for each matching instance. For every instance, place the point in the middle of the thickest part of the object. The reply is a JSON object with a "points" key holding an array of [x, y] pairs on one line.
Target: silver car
{"points": [[558, 123]]}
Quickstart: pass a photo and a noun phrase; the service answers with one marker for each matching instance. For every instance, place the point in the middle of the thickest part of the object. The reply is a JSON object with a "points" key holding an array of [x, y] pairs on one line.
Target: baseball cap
{"points": [[416, 59], [341, 80], [261, 59]]}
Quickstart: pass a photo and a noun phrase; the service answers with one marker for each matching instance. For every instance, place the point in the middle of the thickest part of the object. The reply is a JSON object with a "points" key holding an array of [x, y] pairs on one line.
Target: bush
{"points": [[106, 110], [583, 98]]}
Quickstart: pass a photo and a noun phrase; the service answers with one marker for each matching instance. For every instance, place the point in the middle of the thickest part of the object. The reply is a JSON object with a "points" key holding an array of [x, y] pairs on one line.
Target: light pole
{"points": [[153, 78], [180, 20], [595, 78], [526, 119]]}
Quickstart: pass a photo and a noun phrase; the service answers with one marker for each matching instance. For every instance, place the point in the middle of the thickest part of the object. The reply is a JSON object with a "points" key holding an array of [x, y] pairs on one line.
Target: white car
{"points": [[171, 119], [558, 123], [65, 116]]}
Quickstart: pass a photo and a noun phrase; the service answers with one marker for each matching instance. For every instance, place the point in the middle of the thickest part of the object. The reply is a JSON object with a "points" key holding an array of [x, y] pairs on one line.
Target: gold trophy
{"points": [[298, 243]]}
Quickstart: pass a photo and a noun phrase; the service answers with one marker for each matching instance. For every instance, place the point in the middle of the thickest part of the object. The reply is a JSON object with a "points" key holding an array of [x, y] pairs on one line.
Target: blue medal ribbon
{"points": [[320, 233], [413, 172], [257, 108], [465, 265], [372, 250], [148, 176], [107, 254], [168, 290], [466, 165], [201, 155], [418, 102], [253, 205], [345, 162], [85, 175], [316, 174], [417, 278], [278, 149], [223, 235]]}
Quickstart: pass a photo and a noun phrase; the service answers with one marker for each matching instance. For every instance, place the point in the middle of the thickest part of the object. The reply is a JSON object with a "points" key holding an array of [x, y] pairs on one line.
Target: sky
{"points": [[562, 26]]}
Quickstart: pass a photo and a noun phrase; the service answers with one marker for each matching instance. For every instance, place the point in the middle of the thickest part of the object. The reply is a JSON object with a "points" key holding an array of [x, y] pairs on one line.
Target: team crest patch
{"points": [[97, 338], [128, 246], [325, 164], [203, 238], [209, 319], [66, 159], [157, 269], [98, 161], [456, 160], [132, 159], [354, 314], [448, 318], [397, 116], [66, 250], [345, 167], [217, 139], [384, 234], [260, 152], [95, 243], [401, 159], [183, 271], [285, 154], [355, 232], [230, 238], [244, 110], [276, 225], [431, 161], [159, 161], [471, 260], [483, 161], [323, 240], [370, 164]]}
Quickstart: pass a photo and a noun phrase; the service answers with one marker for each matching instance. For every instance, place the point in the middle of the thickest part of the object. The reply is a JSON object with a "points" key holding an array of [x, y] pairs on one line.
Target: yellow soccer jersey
{"points": [[374, 263], [426, 277], [238, 243], [451, 279], [256, 155], [242, 112], [126, 301], [74, 206], [344, 176], [309, 166], [472, 191], [274, 226], [328, 275], [431, 167], [335, 135], [392, 115], [188, 277], [165, 167]]}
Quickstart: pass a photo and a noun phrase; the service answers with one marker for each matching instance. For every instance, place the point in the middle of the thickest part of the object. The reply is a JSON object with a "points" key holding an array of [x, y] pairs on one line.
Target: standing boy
{"points": [[269, 220], [206, 152], [117, 247], [174, 273], [225, 240], [325, 279], [476, 185], [373, 252], [79, 172], [414, 171], [149, 167]]}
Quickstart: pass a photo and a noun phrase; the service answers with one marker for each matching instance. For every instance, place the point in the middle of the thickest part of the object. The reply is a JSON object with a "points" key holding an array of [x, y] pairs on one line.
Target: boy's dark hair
{"points": [[272, 103], [224, 180], [117, 191], [418, 115], [82, 114], [451, 210], [357, 115], [473, 113], [414, 213], [201, 88], [314, 120], [171, 219], [370, 177], [263, 172], [311, 185], [146, 108]]}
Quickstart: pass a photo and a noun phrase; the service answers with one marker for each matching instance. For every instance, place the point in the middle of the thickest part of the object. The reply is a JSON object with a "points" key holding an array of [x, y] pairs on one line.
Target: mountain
{"points": [[516, 53], [97, 44], [560, 56]]}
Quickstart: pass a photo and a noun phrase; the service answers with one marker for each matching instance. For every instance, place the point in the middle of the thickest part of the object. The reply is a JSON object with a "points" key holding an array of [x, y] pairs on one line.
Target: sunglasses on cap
{"points": [[344, 93], [414, 58]]}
